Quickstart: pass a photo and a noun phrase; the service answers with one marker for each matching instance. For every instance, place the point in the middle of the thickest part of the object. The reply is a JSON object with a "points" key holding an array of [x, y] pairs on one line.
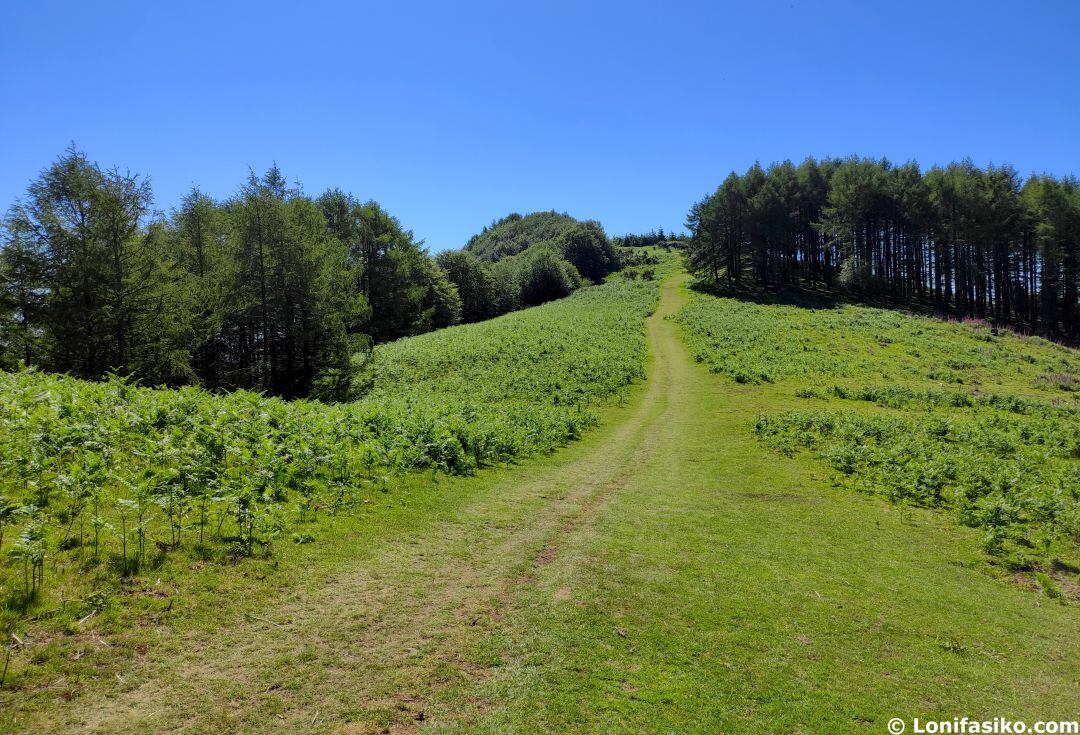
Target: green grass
{"points": [[923, 412], [823, 340], [114, 492], [669, 572], [557, 359], [724, 588]]}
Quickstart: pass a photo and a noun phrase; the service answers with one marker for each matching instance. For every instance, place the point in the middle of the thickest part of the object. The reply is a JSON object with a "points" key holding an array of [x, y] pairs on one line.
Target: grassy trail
{"points": [[665, 574]]}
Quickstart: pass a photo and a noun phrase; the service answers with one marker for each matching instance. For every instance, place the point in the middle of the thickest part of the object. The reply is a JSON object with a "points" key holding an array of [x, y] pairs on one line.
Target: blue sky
{"points": [[453, 114]]}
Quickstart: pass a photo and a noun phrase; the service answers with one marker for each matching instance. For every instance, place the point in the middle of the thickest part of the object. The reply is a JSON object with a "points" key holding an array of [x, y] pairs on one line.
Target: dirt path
{"points": [[403, 626]]}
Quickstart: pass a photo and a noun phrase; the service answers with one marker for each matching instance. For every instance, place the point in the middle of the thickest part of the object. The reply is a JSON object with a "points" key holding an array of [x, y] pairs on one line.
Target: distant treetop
{"points": [[513, 233]]}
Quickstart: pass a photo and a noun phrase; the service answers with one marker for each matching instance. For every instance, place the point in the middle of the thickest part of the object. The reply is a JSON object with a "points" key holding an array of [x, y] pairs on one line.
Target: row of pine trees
{"points": [[973, 242]]}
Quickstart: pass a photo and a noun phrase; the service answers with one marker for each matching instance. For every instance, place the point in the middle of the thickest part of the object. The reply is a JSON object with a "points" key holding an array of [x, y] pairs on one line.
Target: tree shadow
{"points": [[814, 296], [802, 296]]}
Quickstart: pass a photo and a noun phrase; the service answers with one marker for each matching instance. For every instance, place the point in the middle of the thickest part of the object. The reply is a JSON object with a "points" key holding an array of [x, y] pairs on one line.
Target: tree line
{"points": [[973, 242], [652, 238], [270, 290]]}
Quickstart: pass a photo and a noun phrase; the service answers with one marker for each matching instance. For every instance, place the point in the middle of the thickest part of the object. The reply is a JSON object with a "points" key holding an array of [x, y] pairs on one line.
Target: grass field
{"points": [[115, 497], [685, 567], [923, 412]]}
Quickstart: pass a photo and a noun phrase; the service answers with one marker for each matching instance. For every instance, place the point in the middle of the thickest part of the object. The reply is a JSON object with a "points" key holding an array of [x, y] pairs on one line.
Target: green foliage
{"points": [[270, 290], [768, 342], [974, 243], [587, 248], [107, 477], [87, 282], [544, 255], [540, 274], [482, 294], [1049, 587], [290, 307], [513, 234], [652, 238], [629, 257], [1015, 477], [935, 414], [407, 292]]}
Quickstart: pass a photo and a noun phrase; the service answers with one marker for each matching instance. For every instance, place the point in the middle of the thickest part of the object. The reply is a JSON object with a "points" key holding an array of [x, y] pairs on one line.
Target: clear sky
{"points": [[453, 114]]}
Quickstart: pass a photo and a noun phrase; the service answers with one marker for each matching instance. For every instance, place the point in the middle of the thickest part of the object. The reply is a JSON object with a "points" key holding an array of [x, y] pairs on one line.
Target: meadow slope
{"points": [[121, 505], [956, 416], [670, 572]]}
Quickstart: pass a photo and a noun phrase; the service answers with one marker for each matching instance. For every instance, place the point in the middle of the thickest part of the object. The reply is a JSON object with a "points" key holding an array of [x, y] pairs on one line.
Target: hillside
{"points": [[105, 484], [540, 369], [954, 416], [804, 518]]}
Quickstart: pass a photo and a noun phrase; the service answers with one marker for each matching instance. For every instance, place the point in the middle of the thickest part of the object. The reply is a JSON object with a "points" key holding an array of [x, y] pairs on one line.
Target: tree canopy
{"points": [[524, 261], [513, 233], [974, 242], [270, 290]]}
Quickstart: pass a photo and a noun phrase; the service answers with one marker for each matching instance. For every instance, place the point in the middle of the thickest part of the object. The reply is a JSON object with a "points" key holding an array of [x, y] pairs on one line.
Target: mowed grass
{"points": [[727, 588]]}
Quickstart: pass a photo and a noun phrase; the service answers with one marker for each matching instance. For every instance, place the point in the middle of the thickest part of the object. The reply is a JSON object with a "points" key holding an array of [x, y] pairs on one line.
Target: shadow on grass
{"points": [[817, 297], [802, 296]]}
